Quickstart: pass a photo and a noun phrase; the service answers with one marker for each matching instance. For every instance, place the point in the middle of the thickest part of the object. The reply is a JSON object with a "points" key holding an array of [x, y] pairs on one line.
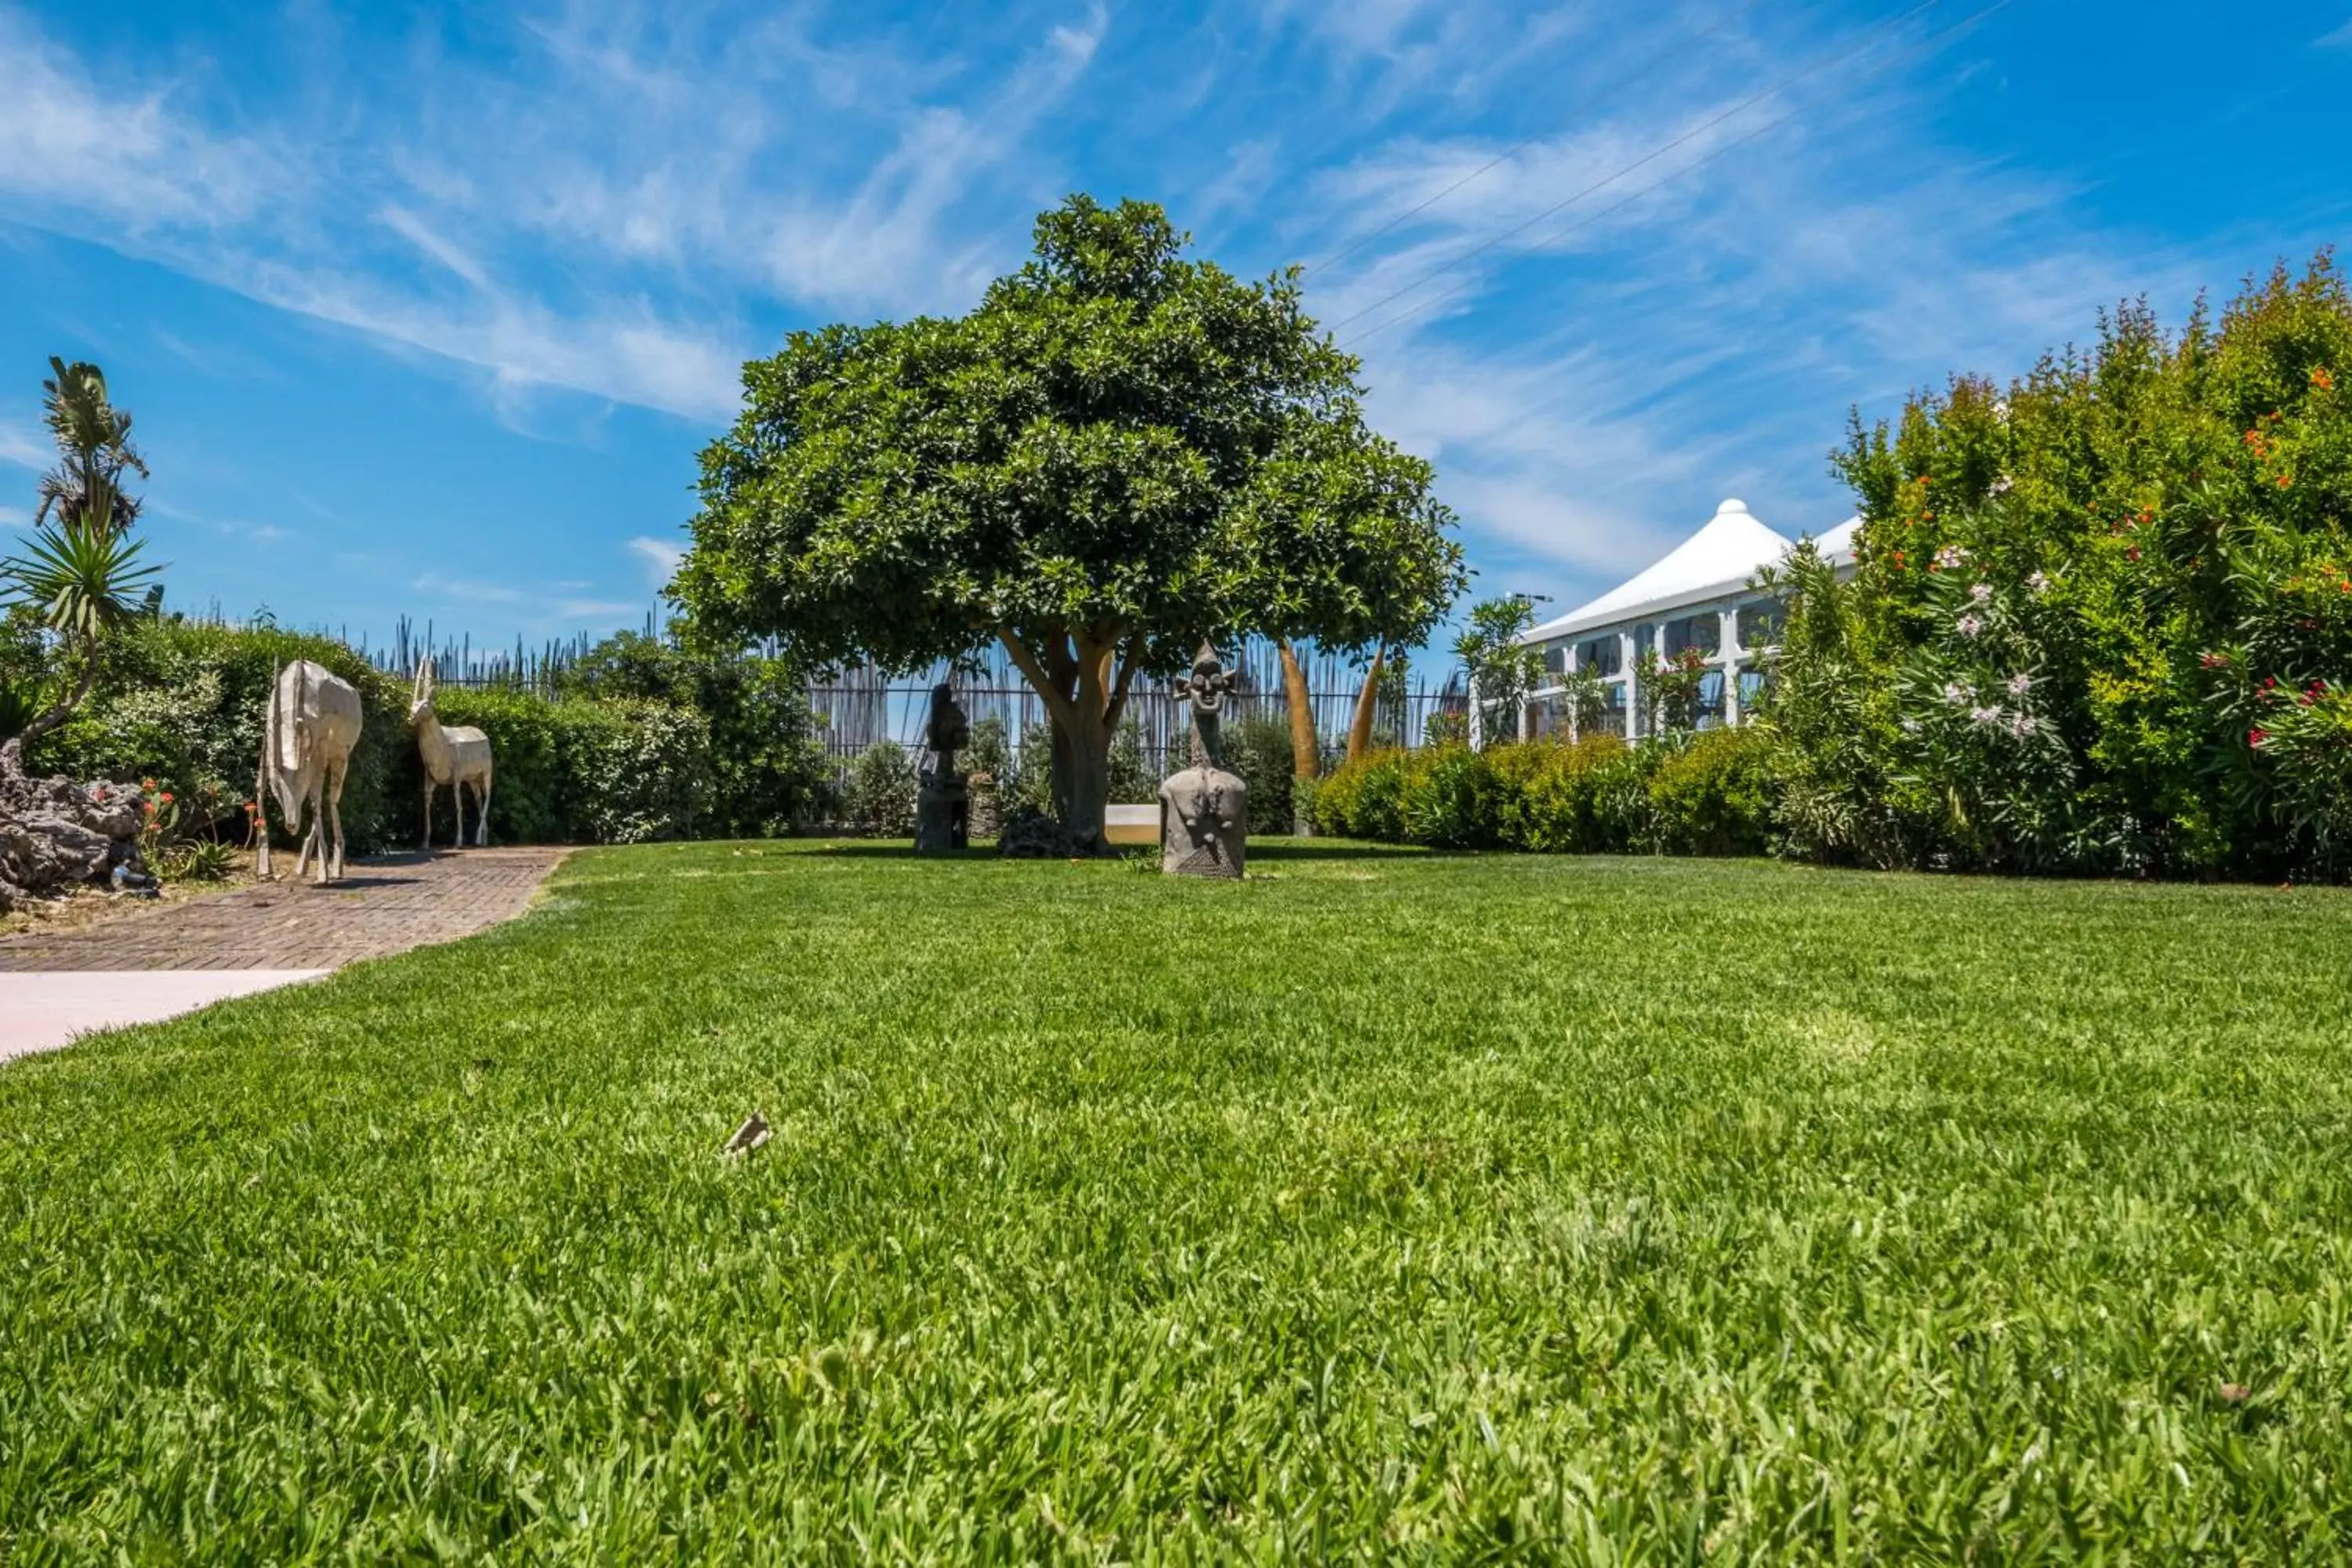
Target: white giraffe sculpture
{"points": [[308, 731], [456, 755]]}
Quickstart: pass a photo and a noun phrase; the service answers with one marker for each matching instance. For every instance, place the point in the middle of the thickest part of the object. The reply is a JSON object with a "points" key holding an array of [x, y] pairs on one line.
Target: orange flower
{"points": [[2322, 380], [165, 797], [2285, 480]]}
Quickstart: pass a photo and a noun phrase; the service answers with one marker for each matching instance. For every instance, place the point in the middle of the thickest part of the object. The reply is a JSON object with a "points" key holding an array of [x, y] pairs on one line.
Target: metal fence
{"points": [[861, 707]]}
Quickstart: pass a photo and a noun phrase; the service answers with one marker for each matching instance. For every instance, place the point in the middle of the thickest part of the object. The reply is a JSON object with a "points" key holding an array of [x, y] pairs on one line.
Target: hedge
{"points": [[182, 703], [1688, 794]]}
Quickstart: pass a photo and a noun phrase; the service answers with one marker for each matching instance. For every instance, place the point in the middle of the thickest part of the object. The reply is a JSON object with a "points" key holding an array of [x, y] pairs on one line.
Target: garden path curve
{"points": [[153, 965]]}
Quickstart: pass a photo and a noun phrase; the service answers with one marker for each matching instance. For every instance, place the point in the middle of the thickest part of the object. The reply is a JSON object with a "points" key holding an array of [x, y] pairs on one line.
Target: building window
{"points": [[1598, 656], [1556, 658], [1760, 623], [1753, 685], [1710, 699], [1704, 632]]}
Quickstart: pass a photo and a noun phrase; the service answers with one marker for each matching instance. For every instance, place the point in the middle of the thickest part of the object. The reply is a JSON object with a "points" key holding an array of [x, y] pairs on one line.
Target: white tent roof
{"points": [[1837, 546], [1718, 559]]}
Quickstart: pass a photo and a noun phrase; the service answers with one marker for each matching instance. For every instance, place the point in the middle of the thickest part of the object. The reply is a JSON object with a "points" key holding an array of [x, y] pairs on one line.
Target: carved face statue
{"points": [[1209, 682]]}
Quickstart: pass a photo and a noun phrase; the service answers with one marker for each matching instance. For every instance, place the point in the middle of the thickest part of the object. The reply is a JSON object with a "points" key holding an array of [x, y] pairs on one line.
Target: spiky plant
{"points": [[80, 571]]}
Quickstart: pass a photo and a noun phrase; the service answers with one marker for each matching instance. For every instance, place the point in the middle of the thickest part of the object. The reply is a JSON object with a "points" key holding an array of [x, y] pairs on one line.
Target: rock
{"points": [[1029, 834], [55, 833]]}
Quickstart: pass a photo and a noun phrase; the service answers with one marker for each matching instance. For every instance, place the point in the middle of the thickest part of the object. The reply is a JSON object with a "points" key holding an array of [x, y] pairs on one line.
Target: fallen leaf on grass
{"points": [[749, 1136], [2235, 1393]]}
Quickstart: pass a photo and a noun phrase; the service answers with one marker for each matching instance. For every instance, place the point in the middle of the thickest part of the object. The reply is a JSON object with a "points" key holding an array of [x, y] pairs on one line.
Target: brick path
{"points": [[386, 905]]}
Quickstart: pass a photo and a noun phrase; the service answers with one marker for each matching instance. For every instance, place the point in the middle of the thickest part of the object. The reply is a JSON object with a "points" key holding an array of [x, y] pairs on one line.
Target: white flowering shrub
{"points": [[1978, 748]]}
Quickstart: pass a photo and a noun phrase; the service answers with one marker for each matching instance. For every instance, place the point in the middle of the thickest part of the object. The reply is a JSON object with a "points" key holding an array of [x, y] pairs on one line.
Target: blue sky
{"points": [[427, 309]]}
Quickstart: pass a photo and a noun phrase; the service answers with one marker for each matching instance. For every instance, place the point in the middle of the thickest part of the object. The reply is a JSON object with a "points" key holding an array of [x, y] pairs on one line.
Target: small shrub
{"points": [[1710, 794], [1450, 798], [1569, 798], [1258, 750], [881, 794]]}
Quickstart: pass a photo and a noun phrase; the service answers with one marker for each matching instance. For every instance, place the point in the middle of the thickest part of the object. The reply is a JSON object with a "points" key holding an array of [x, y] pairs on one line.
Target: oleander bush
{"points": [[2102, 621]]}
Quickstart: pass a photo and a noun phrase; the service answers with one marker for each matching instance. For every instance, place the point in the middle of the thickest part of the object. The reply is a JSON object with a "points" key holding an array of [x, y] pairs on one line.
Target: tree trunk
{"points": [[12, 751], [1359, 727], [1082, 782], [1074, 675]]}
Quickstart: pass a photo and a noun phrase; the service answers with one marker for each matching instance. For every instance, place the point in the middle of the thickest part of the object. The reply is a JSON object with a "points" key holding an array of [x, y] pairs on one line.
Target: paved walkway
{"points": [[153, 965]]}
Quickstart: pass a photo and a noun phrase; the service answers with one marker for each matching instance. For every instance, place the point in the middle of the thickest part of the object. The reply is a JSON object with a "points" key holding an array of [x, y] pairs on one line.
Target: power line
{"points": [[1704, 159], [1870, 40], [1501, 158]]}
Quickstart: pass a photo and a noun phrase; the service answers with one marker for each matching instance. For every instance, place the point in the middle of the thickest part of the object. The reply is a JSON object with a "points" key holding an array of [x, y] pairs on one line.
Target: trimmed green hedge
{"points": [[1686, 794], [182, 703]]}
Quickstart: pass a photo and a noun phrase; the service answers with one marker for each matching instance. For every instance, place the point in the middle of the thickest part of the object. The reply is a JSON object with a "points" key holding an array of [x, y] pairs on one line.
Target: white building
{"points": [[1696, 597]]}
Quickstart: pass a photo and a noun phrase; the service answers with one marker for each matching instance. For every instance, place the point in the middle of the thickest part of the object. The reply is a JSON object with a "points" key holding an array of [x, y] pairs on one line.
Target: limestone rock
{"points": [[55, 833]]}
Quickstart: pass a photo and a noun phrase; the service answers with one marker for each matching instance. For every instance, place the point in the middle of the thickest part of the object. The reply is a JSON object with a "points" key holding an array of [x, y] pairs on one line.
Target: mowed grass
{"points": [[1386, 1204]]}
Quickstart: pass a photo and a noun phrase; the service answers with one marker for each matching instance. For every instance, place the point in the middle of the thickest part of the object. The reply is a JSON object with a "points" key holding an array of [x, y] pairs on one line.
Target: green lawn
{"points": [[1385, 1204]]}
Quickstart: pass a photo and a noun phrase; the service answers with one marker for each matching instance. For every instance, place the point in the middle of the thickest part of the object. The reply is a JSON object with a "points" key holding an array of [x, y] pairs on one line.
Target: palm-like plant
{"points": [[80, 571], [93, 439]]}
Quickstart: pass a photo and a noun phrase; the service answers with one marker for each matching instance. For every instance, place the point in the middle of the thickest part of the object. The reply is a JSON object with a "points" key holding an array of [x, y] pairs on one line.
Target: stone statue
{"points": [[944, 803], [308, 731], [458, 755], [1204, 810]]}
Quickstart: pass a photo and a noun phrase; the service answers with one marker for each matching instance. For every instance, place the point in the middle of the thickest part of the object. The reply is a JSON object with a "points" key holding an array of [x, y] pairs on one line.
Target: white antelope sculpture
{"points": [[458, 755], [308, 731]]}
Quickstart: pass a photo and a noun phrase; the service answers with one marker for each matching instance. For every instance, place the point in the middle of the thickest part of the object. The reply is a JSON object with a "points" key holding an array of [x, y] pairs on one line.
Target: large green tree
{"points": [[1122, 452]]}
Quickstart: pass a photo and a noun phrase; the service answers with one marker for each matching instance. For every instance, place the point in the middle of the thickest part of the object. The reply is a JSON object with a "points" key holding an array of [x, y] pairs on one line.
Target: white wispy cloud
{"points": [[24, 447], [583, 215], [72, 148], [2341, 39], [533, 607], [659, 557]]}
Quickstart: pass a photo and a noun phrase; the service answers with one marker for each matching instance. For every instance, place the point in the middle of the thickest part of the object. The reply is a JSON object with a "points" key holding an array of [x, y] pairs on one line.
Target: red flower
{"points": [[165, 797], [2133, 552], [2322, 380], [2257, 735], [2285, 480]]}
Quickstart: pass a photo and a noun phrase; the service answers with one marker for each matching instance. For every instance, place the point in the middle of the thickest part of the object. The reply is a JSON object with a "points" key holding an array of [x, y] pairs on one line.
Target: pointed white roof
{"points": [[1837, 546], [1718, 559]]}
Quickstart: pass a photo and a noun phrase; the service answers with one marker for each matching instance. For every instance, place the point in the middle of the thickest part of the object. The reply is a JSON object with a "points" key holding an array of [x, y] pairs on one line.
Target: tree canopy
{"points": [[1122, 452]]}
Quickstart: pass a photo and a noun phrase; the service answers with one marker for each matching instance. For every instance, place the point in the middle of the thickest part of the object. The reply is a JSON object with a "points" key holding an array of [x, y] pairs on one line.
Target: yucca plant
{"points": [[80, 571]]}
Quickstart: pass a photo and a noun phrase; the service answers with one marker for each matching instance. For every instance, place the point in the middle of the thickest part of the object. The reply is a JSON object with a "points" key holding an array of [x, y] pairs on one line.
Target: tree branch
{"points": [[1057, 700], [1131, 654]]}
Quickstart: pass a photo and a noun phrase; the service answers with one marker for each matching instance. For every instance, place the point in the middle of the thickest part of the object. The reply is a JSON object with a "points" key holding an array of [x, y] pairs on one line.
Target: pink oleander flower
{"points": [[1969, 626], [1955, 693], [2020, 684], [1985, 715], [2039, 582], [1950, 556], [1981, 593]]}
